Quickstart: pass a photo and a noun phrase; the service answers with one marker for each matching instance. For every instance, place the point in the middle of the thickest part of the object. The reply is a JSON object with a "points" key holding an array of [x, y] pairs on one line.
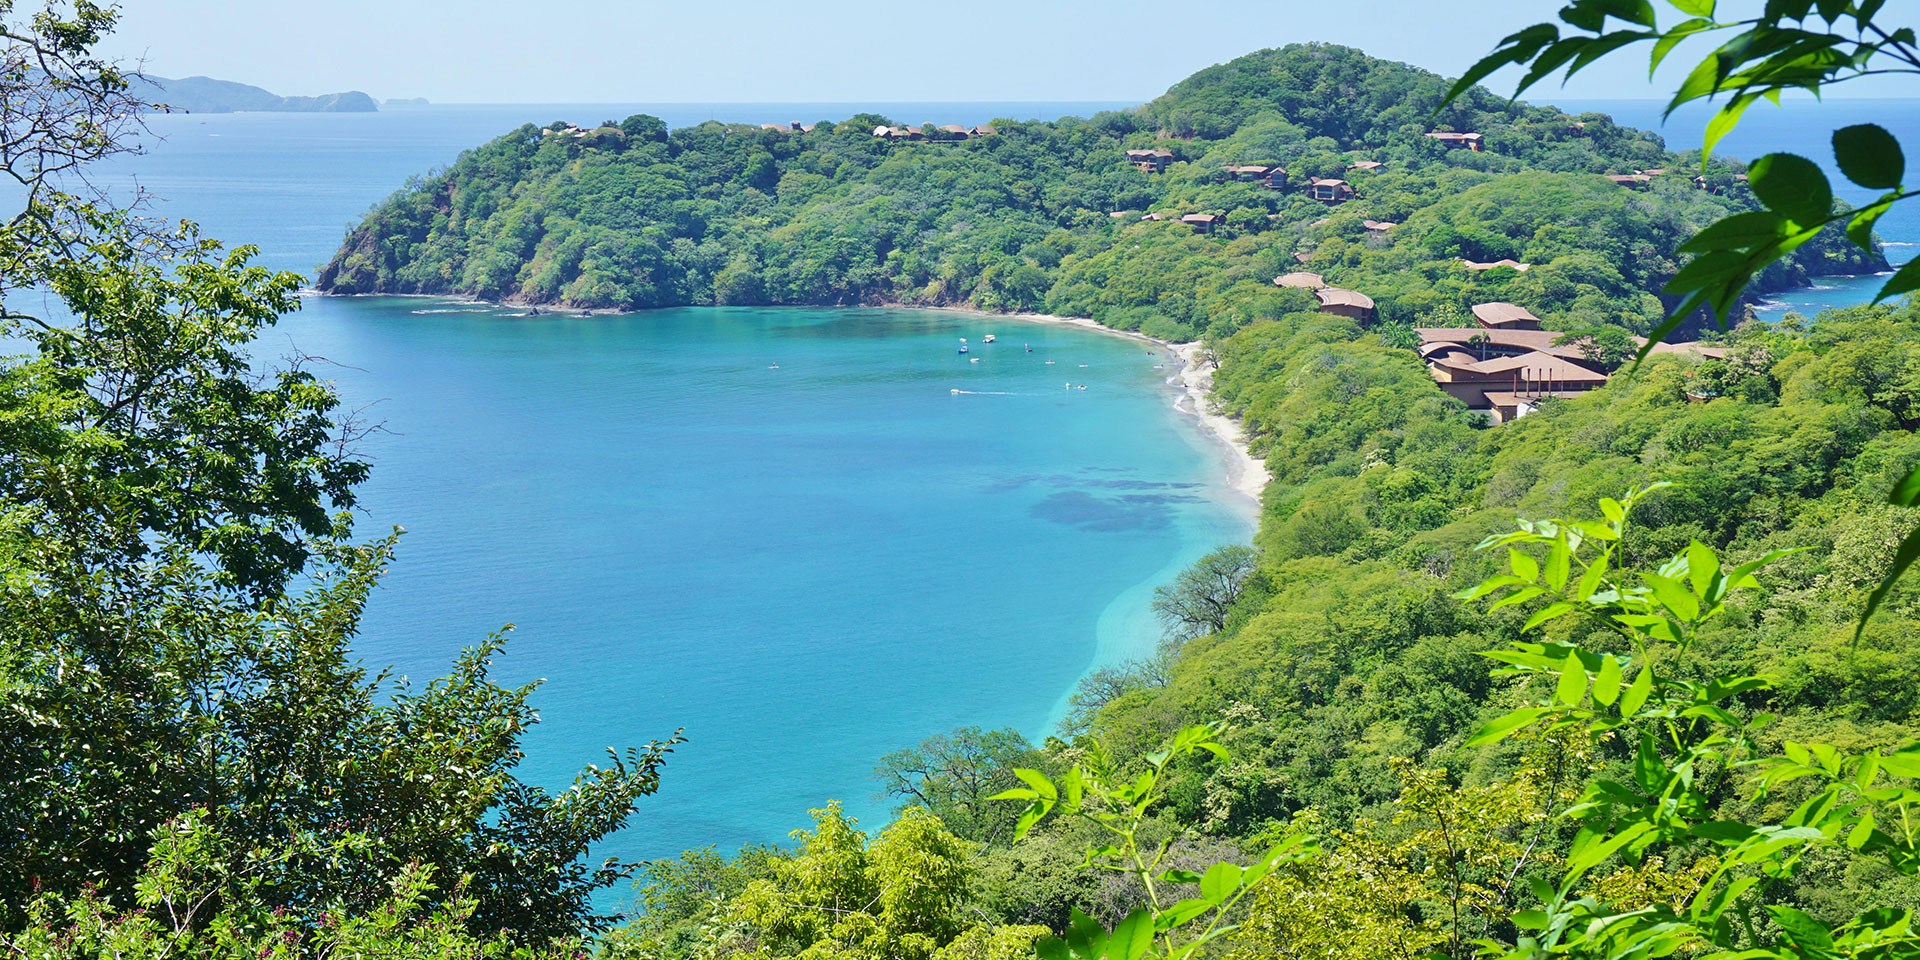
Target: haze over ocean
{"points": [[684, 533]]}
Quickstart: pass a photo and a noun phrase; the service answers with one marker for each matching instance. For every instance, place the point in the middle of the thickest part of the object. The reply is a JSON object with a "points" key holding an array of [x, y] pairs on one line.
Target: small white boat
{"points": [[987, 339], [963, 348]]}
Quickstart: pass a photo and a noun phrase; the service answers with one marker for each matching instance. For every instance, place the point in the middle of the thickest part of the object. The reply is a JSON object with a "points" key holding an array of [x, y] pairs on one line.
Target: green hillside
{"points": [[1046, 216]]}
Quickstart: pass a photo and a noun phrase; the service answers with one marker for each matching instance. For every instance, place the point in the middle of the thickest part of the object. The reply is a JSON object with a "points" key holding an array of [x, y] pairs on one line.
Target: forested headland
{"points": [[1323, 759], [1048, 216]]}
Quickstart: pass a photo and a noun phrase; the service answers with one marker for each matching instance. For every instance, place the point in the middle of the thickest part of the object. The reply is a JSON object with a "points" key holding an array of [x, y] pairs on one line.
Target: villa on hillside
{"points": [[1635, 180], [1507, 371], [1201, 222], [1505, 316], [1365, 165], [1377, 228], [1471, 141], [1329, 191], [1151, 161], [1303, 281], [1346, 303]]}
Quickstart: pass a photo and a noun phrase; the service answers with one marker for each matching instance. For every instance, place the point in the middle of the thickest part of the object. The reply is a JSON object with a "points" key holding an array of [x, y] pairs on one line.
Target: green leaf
{"points": [[1606, 686], [1902, 559], [1590, 580], [1723, 122], [1051, 948], [1869, 156], [1180, 876], [1637, 693], [1694, 8], [1861, 832], [1085, 937], [1792, 186], [1559, 559], [1673, 38], [1551, 611], [1585, 855], [1524, 566], [1220, 882], [1498, 729], [1702, 567], [1860, 227], [1904, 280], [1613, 510], [1673, 596], [1039, 782], [1906, 493], [1133, 937], [1806, 933], [1516, 48], [1573, 681], [1738, 232]]}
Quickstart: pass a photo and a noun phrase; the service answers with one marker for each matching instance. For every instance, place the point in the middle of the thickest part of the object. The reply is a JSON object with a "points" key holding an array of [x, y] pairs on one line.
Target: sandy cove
{"points": [[1246, 473]]}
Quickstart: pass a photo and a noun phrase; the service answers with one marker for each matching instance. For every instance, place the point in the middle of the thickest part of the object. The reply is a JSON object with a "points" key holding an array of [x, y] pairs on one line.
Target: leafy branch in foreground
{"points": [[1766, 56], [1689, 739], [1099, 793]]}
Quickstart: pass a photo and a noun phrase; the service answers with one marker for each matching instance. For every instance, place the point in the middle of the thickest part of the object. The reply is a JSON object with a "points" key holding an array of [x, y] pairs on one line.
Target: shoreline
{"points": [[1247, 474]]}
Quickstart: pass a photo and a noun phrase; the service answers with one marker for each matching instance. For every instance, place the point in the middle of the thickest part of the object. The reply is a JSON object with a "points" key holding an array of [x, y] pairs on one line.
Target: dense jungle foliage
{"points": [[193, 766], [1047, 216]]}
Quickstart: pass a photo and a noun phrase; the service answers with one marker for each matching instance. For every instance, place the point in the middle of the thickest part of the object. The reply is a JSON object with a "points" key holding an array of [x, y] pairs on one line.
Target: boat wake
{"points": [[987, 393]]}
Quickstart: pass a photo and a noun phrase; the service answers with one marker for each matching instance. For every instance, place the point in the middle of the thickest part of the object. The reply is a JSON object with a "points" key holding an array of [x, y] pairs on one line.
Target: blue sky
{"points": [[586, 51]]}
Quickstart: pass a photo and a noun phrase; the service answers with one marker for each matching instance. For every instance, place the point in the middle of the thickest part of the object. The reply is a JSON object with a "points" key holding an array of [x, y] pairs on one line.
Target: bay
{"points": [[806, 536]]}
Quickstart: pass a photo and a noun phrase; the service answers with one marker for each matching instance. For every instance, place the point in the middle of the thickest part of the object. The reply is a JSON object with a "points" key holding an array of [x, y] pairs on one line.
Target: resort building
{"points": [[1506, 371], [1346, 303], [1635, 180], [1201, 222], [983, 130], [1151, 161], [1365, 165], [1378, 228], [1471, 141], [1505, 316], [1303, 281], [1330, 191]]}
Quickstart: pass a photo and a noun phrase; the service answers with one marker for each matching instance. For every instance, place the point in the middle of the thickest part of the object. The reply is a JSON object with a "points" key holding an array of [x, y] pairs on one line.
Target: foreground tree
{"points": [[952, 775], [1200, 599], [164, 693]]}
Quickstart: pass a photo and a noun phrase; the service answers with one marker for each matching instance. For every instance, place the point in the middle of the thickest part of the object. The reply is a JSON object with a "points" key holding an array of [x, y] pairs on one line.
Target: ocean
{"points": [[1805, 127], [806, 536]]}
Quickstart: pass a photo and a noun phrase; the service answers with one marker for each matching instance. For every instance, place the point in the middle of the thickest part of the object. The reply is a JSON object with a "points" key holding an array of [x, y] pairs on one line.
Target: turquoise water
{"points": [[808, 537]]}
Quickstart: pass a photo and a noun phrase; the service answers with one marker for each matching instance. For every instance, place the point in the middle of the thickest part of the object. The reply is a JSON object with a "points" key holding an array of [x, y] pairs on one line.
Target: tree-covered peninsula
{"points": [[1056, 217]]}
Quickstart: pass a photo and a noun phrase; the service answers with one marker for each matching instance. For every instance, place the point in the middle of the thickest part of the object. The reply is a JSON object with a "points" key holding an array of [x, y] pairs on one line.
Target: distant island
{"points": [[207, 95]]}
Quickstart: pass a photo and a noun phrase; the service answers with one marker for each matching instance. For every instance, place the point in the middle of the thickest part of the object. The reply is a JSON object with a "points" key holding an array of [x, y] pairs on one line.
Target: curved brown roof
{"points": [[1334, 296], [1305, 281]]}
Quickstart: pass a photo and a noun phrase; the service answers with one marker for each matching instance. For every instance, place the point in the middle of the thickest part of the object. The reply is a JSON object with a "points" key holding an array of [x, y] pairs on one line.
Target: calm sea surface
{"points": [[1804, 127], [808, 537]]}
